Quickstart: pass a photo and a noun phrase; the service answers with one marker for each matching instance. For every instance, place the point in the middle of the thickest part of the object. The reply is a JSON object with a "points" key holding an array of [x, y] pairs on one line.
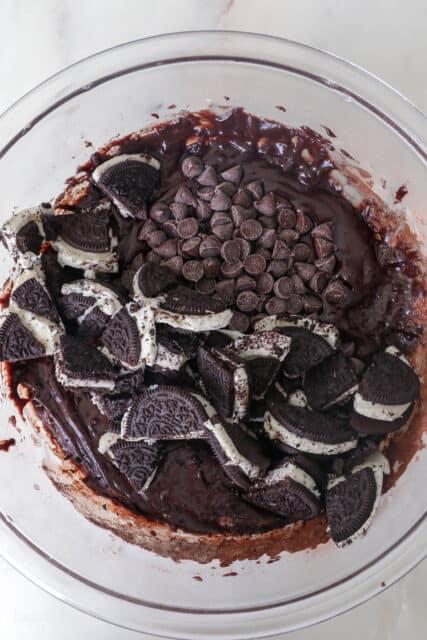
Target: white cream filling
{"points": [[105, 299], [82, 383], [295, 473], [326, 331], [263, 344], [281, 390], [298, 399], [166, 359], [144, 158], [378, 411], [69, 256], [207, 322], [276, 431], [343, 397], [44, 331], [241, 389], [144, 318], [394, 351]]}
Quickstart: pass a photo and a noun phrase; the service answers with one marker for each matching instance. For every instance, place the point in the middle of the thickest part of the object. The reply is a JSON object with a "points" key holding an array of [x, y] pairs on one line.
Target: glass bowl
{"points": [[43, 137]]}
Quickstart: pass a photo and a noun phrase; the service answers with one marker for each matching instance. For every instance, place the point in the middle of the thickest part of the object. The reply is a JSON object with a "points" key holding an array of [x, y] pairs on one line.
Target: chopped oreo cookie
{"points": [[352, 500], [225, 379], [137, 461], [81, 365], [170, 355], [164, 413], [184, 308], [307, 350], [90, 303], [151, 280], [130, 337], [386, 395], [17, 342], [23, 235], [29, 294], [129, 180], [331, 382], [307, 431], [325, 330]]}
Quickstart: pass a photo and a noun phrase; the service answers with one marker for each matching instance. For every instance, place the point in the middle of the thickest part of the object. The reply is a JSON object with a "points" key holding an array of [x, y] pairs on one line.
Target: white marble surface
{"points": [[39, 38]]}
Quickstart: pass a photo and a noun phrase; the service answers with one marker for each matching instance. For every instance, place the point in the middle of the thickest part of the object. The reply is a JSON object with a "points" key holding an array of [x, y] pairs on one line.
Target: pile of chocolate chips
{"points": [[252, 250]]}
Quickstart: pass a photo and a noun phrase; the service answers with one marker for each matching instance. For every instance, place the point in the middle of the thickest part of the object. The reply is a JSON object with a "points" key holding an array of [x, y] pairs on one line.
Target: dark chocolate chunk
{"points": [[307, 351], [239, 214], [299, 286], [221, 201], [233, 174], [318, 282], [192, 166], [231, 270], [147, 227], [330, 382], [16, 342], [323, 230], [267, 239], [179, 211], [230, 251], [206, 193], [209, 247], [254, 264], [137, 461], [245, 248], [190, 247], [187, 301], [203, 211], [122, 339], [304, 223], [227, 187], [251, 229], [184, 196], [243, 197], [174, 264], [266, 205], [326, 264], [283, 288], [208, 177], [289, 237], [323, 248], [281, 251], [302, 252], [287, 498], [256, 188], [247, 301], [206, 285], [304, 270], [287, 218], [279, 267], [153, 279], [32, 296], [265, 283], [187, 228]]}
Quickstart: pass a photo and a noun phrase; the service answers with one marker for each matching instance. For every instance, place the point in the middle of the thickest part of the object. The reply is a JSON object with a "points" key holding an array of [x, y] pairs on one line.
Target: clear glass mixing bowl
{"points": [[42, 140]]}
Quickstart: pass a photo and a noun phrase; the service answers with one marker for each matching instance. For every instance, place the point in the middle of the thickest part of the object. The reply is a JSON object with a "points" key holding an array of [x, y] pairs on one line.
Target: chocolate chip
{"points": [[281, 251], [323, 248], [254, 264], [155, 238], [221, 201], [276, 306], [245, 283], [311, 303], [298, 284], [206, 285], [326, 264], [304, 270], [245, 248], [239, 322], [208, 177], [256, 188], [223, 231], [190, 247], [230, 251], [203, 211], [304, 223], [160, 212], [283, 287], [212, 267], [323, 230], [227, 187], [174, 264], [225, 290], [184, 196], [251, 229], [302, 253], [232, 270], [337, 293], [267, 239], [265, 253], [289, 237], [261, 303], [247, 301], [169, 228], [146, 228], [206, 193], [278, 267], [188, 228], [233, 174], [193, 270], [243, 197], [295, 304], [152, 257], [268, 222], [209, 247], [266, 205], [265, 282], [168, 249], [239, 214], [286, 218], [192, 167], [179, 210], [318, 282]]}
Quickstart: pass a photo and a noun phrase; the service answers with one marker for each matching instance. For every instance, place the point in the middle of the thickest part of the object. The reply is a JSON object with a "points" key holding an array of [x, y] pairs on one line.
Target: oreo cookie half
{"points": [[137, 461], [225, 379], [307, 351], [16, 340], [130, 337], [80, 365], [307, 431], [129, 180], [288, 490], [331, 382], [386, 395], [23, 235], [164, 413], [90, 303], [151, 280], [30, 295], [186, 309], [351, 501], [263, 353]]}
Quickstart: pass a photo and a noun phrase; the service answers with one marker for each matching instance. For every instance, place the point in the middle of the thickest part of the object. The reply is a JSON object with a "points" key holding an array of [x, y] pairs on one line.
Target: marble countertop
{"points": [[39, 38]]}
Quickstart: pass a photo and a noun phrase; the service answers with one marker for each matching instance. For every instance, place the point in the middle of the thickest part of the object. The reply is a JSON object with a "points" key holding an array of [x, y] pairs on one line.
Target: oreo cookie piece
{"points": [[331, 382], [30, 294], [164, 413], [130, 382], [90, 303], [130, 337], [170, 355], [307, 431], [137, 461], [352, 500], [263, 353], [325, 330], [186, 309], [129, 180], [307, 350], [225, 379], [23, 235], [80, 365], [16, 340], [151, 280], [112, 406], [386, 395]]}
